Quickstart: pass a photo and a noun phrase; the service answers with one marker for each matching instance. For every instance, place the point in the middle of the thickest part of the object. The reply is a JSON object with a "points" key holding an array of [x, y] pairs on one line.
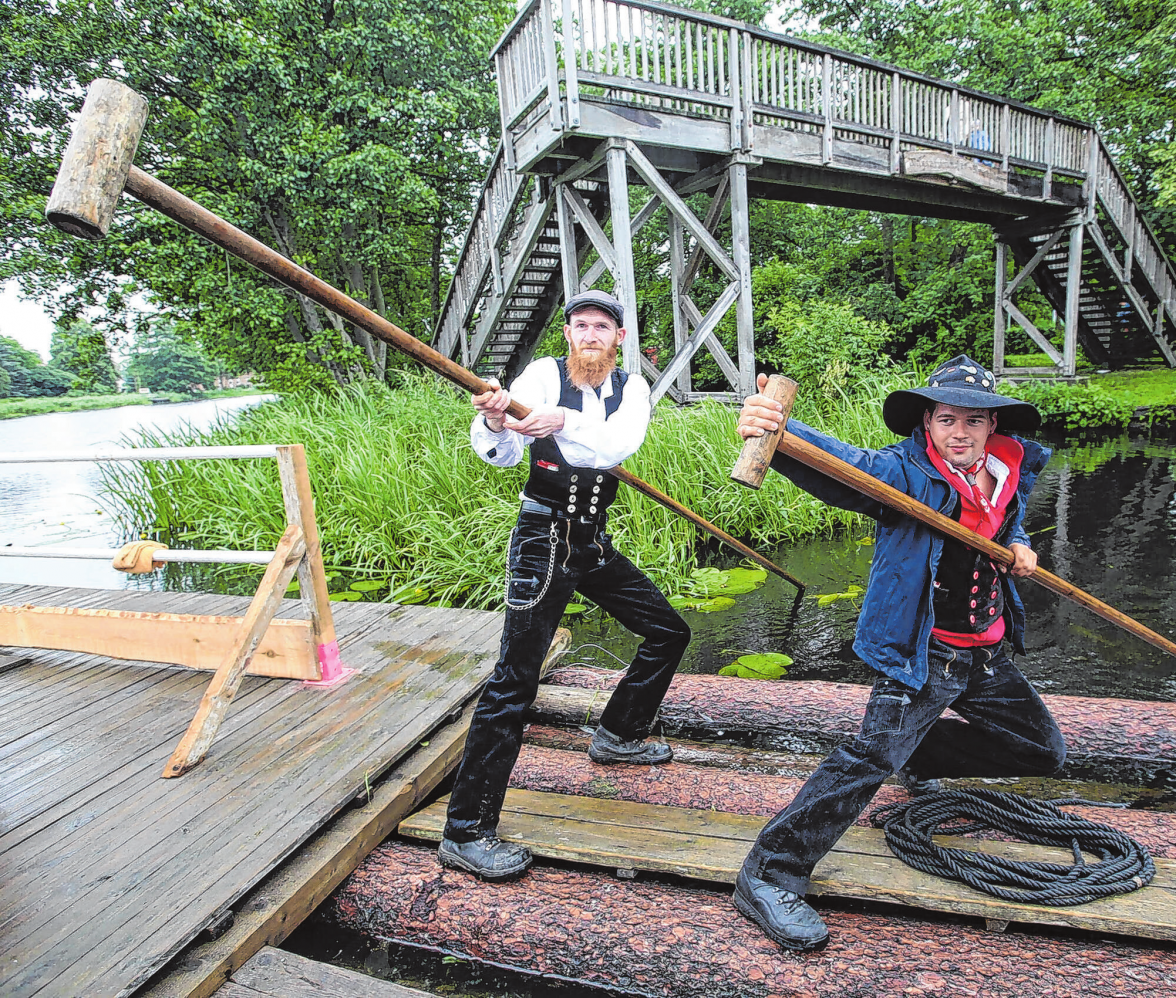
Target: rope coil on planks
{"points": [[1124, 865]]}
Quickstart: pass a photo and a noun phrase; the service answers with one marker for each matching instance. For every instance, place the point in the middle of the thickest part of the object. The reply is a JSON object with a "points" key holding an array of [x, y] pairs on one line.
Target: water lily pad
{"points": [[346, 597], [767, 665], [853, 592], [742, 580], [369, 585], [701, 604]]}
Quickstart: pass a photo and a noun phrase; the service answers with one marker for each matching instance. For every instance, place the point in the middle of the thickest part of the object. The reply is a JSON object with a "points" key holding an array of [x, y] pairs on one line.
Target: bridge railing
{"points": [[560, 51], [480, 250], [1142, 249]]}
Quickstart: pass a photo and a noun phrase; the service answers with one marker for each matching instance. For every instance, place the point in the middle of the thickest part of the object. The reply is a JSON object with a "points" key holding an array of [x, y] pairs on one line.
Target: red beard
{"points": [[588, 370]]}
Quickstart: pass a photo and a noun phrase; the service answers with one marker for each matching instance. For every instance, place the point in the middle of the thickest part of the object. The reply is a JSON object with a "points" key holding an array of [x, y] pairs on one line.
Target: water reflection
{"points": [[48, 505], [1102, 517]]}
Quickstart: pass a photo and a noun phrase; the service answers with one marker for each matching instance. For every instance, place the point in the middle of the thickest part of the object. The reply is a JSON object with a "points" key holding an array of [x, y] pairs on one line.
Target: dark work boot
{"points": [[784, 915], [489, 858], [607, 748], [915, 785]]}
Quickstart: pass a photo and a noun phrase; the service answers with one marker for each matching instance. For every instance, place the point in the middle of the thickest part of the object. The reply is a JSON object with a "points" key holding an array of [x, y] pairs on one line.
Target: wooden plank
{"points": [[274, 973], [711, 845], [312, 580], [279, 904], [215, 702], [259, 792], [286, 650]]}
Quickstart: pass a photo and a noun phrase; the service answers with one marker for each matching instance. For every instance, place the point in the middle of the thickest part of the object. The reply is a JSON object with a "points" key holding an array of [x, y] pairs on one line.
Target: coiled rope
{"points": [[1124, 865]]}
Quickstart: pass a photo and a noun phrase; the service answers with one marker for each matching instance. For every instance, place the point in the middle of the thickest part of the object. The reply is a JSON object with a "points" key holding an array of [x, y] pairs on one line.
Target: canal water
{"points": [[1103, 517], [60, 505]]}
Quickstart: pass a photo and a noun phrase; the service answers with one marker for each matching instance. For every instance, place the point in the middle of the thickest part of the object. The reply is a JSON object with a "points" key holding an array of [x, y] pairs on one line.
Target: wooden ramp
{"points": [[106, 870], [711, 845], [274, 973]]}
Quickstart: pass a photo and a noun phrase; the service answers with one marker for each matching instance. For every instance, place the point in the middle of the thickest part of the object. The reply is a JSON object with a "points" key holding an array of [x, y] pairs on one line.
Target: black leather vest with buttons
{"points": [[585, 492], [968, 594]]}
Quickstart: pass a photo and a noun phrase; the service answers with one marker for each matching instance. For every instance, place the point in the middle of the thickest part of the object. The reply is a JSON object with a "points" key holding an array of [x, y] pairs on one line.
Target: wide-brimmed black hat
{"points": [[960, 382], [596, 299]]}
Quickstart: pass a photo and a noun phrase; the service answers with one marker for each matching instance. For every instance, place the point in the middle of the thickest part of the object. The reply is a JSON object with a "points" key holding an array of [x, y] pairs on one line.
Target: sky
{"points": [[26, 322]]}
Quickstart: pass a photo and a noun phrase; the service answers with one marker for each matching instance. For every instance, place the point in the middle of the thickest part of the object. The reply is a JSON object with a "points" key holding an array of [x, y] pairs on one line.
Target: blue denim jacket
{"points": [[894, 627]]}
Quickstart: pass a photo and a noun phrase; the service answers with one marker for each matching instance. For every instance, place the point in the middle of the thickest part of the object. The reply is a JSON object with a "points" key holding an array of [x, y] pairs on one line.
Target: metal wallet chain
{"points": [[546, 582]]}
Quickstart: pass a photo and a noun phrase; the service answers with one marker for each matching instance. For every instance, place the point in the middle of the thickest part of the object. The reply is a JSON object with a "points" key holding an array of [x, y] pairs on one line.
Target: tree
{"points": [[164, 363], [349, 135], [25, 375], [80, 351]]}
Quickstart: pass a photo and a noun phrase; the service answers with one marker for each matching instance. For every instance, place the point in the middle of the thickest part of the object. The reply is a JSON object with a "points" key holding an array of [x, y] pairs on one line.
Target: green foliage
{"points": [[81, 351], [25, 376], [821, 344], [348, 135], [164, 363], [1074, 407], [401, 496], [768, 665]]}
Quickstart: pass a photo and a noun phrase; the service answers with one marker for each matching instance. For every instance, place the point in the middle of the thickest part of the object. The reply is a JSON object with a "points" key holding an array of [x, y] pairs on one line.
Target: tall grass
{"points": [[401, 496]]}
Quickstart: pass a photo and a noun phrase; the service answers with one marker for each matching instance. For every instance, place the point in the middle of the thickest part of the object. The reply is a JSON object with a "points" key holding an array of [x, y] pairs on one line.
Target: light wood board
{"points": [[274, 973], [711, 845]]}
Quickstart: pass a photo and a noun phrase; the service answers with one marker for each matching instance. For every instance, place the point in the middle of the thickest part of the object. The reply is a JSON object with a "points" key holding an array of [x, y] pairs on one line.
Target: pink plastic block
{"points": [[331, 666]]}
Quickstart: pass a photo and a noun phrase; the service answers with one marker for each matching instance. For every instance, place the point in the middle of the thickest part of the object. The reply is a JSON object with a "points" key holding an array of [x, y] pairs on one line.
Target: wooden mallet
{"points": [[96, 168], [756, 456]]}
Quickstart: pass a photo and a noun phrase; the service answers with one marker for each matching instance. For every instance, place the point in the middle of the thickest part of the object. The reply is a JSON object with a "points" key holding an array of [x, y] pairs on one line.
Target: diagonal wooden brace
{"points": [[225, 683]]}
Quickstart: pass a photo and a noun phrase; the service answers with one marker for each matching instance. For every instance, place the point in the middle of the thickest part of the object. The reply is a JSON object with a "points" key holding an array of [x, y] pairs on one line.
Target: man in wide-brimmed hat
{"points": [[935, 622]]}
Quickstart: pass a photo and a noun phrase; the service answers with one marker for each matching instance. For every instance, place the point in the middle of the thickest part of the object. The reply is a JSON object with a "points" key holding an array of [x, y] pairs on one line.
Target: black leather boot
{"points": [[489, 858], [606, 747], [784, 915]]}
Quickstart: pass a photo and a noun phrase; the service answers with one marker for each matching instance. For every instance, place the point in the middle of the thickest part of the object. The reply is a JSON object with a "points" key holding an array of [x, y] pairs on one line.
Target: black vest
{"points": [[585, 492], [968, 593]]}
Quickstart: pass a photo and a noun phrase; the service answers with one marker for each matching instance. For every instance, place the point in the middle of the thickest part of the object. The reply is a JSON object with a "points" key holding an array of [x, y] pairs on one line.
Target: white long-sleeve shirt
{"points": [[585, 441]]}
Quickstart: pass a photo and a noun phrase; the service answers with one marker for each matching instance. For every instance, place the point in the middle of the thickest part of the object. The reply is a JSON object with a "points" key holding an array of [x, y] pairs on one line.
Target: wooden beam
{"points": [[312, 578], [1034, 333], [215, 702], [286, 650], [275, 973]]}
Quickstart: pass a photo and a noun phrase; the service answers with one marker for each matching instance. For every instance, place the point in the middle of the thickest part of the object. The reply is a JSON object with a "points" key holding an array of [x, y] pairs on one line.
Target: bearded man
{"points": [[586, 417]]}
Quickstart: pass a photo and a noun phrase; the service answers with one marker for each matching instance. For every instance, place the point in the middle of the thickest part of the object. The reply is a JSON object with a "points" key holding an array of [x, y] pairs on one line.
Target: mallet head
{"points": [[97, 160]]}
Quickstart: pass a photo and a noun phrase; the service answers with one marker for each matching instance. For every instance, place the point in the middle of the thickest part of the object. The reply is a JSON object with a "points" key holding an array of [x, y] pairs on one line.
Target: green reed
{"points": [[400, 496]]}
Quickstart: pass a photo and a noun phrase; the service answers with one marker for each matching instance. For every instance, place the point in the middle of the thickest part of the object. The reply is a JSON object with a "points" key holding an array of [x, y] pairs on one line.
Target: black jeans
{"points": [[1006, 731], [583, 559]]}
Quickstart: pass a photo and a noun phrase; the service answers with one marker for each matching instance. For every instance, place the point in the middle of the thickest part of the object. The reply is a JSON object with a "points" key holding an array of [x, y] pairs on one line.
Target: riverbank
{"points": [[407, 511], [14, 408]]}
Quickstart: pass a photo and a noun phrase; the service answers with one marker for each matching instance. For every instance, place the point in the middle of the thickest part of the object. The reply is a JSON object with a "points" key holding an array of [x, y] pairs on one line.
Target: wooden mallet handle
{"points": [[757, 452]]}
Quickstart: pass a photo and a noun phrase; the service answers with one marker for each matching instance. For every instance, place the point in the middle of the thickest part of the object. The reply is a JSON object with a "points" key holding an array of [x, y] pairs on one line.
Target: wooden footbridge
{"points": [[596, 96]]}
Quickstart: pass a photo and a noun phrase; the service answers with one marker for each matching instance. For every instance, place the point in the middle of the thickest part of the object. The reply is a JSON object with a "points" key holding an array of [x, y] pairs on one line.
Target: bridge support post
{"points": [[741, 252], [1073, 295], [625, 285]]}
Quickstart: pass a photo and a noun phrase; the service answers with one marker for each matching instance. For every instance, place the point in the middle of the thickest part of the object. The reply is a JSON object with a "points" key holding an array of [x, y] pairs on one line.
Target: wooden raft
{"points": [[711, 845], [109, 871]]}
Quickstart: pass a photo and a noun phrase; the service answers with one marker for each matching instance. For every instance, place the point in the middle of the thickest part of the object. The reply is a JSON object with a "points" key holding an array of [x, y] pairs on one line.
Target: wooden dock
{"points": [[106, 870]]}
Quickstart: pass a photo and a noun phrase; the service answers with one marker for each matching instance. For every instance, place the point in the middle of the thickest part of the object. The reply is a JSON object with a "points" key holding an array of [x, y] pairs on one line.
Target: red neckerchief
{"points": [[983, 517]]}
